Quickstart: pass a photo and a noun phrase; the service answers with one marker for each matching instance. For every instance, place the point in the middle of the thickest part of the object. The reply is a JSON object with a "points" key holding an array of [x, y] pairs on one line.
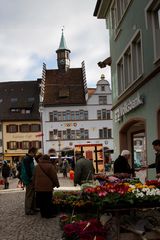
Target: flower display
{"points": [[156, 183], [85, 230], [110, 195]]}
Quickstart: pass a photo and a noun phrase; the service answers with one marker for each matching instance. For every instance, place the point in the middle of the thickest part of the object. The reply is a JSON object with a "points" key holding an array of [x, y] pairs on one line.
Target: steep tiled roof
{"points": [[64, 87], [19, 96], [91, 91]]}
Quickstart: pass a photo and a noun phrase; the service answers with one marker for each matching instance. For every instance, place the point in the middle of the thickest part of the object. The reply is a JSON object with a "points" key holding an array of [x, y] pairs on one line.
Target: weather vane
{"points": [[62, 28]]}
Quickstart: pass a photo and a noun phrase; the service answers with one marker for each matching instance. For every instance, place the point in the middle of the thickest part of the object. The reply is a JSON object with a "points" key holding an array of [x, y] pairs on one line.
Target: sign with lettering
{"points": [[127, 107]]}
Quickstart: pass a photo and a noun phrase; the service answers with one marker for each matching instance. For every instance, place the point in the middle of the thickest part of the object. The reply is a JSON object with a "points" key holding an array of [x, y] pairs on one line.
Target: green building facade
{"points": [[134, 29]]}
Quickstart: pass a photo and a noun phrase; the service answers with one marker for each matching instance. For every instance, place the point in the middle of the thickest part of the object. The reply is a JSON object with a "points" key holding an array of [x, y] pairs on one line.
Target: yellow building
{"points": [[20, 118], [18, 137]]}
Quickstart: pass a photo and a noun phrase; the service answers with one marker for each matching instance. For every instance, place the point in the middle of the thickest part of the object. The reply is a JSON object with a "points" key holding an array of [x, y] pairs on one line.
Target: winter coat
{"points": [[45, 176], [5, 170], [27, 169], [121, 165], [84, 171], [156, 164]]}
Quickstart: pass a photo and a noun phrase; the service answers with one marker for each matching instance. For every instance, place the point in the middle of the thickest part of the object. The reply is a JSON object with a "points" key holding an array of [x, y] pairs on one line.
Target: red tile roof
{"points": [[64, 88]]}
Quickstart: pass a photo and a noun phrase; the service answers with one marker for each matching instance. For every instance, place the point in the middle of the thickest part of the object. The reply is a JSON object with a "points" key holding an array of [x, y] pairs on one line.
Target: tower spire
{"points": [[63, 44], [63, 60]]}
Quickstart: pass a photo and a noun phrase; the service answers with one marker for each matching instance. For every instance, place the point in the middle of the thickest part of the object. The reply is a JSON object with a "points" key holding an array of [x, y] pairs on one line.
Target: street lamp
{"points": [[59, 147]]}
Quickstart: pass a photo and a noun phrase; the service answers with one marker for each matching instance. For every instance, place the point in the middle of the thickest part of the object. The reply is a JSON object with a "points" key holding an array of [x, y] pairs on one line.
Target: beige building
{"points": [[20, 118]]}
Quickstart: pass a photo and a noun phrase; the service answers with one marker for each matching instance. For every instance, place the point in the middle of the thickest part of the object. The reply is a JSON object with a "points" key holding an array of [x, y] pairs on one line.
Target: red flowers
{"points": [[86, 230]]}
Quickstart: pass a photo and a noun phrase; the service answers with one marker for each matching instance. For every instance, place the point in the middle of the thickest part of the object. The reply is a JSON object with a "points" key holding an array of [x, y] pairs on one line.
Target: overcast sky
{"points": [[30, 32]]}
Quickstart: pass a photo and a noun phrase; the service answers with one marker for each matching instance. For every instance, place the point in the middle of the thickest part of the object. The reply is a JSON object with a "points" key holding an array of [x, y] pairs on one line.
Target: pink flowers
{"points": [[120, 188]]}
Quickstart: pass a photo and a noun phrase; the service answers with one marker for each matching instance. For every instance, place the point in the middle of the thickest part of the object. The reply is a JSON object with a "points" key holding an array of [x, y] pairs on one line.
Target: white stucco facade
{"points": [[92, 125]]}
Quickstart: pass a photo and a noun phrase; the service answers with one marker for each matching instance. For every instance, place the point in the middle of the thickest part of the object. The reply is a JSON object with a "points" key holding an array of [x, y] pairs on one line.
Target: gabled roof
{"points": [[18, 96], [64, 87]]}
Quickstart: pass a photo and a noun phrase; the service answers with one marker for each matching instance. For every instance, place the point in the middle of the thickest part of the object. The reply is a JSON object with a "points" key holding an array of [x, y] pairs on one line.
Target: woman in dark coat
{"points": [[122, 168], [5, 174], [45, 179]]}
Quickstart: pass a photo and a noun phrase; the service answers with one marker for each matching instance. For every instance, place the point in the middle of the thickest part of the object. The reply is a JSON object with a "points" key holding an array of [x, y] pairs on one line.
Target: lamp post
{"points": [[59, 147]]}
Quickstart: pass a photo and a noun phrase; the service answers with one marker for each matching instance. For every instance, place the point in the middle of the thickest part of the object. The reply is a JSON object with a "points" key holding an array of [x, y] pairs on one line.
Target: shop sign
{"points": [[70, 124], [127, 107]]}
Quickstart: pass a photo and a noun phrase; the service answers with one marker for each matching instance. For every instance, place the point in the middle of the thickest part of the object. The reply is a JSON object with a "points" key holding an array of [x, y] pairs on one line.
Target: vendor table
{"points": [[129, 233]]}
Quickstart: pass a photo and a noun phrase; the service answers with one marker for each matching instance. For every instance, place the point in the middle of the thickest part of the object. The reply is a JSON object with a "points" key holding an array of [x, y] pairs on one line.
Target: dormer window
{"points": [[102, 88], [14, 99], [64, 93]]}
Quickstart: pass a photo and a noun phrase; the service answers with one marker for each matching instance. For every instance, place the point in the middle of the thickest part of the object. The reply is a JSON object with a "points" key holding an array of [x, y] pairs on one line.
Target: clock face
{"points": [[62, 61]]}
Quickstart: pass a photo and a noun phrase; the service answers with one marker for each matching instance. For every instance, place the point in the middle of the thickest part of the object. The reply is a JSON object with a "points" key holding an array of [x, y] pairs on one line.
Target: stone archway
{"points": [[132, 126], [133, 138]]}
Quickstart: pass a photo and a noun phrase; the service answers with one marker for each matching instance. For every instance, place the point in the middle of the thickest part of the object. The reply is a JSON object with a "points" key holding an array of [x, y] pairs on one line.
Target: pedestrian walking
{"points": [[27, 169], [5, 174], [45, 179], [65, 166], [84, 169]]}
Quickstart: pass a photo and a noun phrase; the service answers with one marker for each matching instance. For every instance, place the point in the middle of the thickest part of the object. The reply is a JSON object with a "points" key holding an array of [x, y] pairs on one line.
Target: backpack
{"points": [[24, 177]]}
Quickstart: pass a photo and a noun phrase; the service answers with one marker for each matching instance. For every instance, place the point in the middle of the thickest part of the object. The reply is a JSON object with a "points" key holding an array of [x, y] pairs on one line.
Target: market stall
{"points": [[118, 208]]}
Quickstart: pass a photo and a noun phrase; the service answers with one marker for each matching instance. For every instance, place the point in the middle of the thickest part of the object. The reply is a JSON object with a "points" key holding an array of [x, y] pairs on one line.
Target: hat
{"points": [[125, 152], [78, 153]]}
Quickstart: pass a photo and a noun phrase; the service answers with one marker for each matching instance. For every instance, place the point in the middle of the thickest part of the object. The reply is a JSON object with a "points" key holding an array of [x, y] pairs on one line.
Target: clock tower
{"points": [[63, 60]]}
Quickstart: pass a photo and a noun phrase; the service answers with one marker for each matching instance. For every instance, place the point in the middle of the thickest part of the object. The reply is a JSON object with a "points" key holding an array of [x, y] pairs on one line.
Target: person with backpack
{"points": [[27, 170], [5, 174]]}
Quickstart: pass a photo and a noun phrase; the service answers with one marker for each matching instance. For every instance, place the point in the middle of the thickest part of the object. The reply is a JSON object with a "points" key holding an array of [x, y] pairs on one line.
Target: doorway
{"points": [[133, 138]]}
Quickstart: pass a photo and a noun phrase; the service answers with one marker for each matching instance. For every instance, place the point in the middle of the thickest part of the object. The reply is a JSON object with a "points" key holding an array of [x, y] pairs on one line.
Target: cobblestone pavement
{"points": [[15, 225]]}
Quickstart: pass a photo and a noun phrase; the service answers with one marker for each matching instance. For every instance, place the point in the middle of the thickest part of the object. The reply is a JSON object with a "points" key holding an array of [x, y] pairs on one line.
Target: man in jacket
{"points": [[27, 169], [84, 169]]}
